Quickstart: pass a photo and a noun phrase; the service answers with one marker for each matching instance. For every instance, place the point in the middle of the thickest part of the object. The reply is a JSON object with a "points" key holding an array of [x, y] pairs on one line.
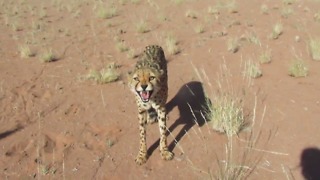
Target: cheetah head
{"points": [[145, 82]]}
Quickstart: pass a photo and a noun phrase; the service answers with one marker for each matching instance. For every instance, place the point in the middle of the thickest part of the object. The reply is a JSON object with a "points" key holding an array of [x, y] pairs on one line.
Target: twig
{"points": [[175, 141], [102, 97], [271, 152]]}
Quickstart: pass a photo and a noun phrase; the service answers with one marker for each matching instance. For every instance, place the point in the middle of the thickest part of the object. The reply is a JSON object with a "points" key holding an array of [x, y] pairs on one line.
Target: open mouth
{"points": [[145, 95]]}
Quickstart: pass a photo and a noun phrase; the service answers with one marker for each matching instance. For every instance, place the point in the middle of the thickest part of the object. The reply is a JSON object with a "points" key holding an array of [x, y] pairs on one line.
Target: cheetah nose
{"points": [[144, 87]]}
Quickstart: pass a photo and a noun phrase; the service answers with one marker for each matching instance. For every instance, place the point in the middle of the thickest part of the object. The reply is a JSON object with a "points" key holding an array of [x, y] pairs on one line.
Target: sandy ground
{"points": [[56, 124]]}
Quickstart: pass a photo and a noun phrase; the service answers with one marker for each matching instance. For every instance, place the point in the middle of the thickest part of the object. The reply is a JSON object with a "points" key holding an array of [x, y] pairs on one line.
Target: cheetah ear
{"points": [[161, 71]]}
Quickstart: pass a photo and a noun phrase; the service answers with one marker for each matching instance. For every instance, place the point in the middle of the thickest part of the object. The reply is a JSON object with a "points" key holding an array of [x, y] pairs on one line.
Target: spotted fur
{"points": [[149, 83]]}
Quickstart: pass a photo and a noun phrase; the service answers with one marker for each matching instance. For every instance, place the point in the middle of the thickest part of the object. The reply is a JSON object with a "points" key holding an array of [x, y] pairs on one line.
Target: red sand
{"points": [[55, 124]]}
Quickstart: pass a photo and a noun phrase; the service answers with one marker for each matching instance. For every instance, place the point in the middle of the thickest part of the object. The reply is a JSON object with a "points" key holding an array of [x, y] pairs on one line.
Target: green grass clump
{"points": [[48, 56], [314, 46], [105, 75], [298, 68]]}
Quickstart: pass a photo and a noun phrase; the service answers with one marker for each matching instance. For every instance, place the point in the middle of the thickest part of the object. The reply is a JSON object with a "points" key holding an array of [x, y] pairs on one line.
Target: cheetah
{"points": [[149, 83]]}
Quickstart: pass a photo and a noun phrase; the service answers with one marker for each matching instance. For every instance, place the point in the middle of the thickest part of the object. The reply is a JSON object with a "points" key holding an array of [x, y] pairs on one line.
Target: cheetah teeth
{"points": [[145, 95]]}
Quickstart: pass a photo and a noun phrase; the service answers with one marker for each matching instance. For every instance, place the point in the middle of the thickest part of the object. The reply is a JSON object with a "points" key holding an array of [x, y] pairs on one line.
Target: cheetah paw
{"points": [[167, 155], [140, 159]]}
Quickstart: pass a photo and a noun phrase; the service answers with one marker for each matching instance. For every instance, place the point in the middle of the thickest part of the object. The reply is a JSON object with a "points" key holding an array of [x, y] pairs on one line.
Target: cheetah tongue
{"points": [[145, 95]]}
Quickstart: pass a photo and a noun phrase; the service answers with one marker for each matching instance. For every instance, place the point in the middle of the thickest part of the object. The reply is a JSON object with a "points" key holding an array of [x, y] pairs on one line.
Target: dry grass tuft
{"points": [[25, 52], [314, 46], [226, 113], [121, 46], [242, 156], [233, 45], [105, 75], [252, 69], [213, 10], [191, 14], [131, 54], [178, 2], [298, 68], [316, 17], [48, 56], [142, 27], [172, 45], [286, 12], [253, 38], [288, 2], [265, 57], [105, 13], [199, 29], [277, 30], [135, 1], [16, 26], [229, 5], [264, 9]]}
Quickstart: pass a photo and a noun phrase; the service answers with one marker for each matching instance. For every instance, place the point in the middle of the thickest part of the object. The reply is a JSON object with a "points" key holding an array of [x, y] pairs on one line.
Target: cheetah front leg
{"points": [[165, 153], [142, 155]]}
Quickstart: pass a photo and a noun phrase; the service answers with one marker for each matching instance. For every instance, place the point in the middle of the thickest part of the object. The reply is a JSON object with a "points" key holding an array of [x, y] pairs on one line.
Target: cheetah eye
{"points": [[136, 78], [151, 78]]}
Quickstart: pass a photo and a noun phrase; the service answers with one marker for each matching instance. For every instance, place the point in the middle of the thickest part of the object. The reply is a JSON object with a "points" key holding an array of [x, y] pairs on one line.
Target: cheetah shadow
{"points": [[310, 163], [190, 101], [10, 132]]}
